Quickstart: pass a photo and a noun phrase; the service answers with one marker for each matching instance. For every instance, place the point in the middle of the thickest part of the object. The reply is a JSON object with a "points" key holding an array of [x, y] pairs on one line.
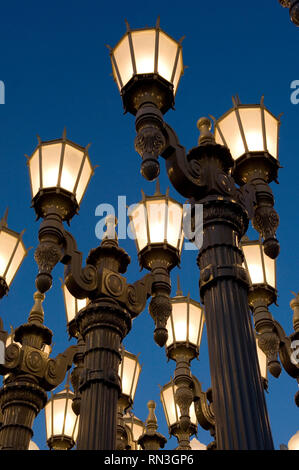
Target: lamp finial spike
{"points": [[158, 22], [179, 292], [158, 190]]}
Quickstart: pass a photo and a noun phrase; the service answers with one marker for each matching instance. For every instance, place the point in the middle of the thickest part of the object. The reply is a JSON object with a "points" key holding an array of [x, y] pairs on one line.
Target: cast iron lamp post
{"points": [[207, 175], [60, 171], [29, 373], [293, 6]]}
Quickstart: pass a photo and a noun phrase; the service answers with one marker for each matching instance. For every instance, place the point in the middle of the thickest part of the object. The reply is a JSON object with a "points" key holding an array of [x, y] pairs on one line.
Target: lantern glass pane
{"points": [[127, 368], [144, 50], [70, 304], [71, 167], [70, 419], [193, 414], [156, 211], [137, 430], [15, 263], [170, 409], [166, 57], [59, 405], [8, 242], [179, 315], [231, 132], [139, 225], [179, 72], [123, 60], [196, 322], [272, 126], [51, 156], [84, 179], [34, 172], [270, 270], [262, 359], [253, 258], [48, 417], [252, 125], [174, 224]]}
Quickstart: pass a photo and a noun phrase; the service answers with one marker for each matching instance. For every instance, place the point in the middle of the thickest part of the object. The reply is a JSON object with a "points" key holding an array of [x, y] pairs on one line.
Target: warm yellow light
{"points": [[61, 421], [72, 304], [185, 324], [157, 220], [129, 371], [260, 267], [248, 128], [12, 252], [136, 427], [293, 443], [147, 51], [62, 165], [262, 359]]}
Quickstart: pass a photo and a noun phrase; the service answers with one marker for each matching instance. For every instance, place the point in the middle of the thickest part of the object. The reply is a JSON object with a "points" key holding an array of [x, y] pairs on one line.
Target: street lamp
{"points": [[60, 171], [12, 254], [129, 371], [173, 415], [207, 175], [147, 54], [261, 270], [157, 223], [61, 421], [136, 429]]}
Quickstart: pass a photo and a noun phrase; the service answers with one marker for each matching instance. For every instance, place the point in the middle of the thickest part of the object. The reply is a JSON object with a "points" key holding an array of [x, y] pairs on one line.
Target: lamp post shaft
{"points": [[103, 326], [21, 400], [238, 397]]}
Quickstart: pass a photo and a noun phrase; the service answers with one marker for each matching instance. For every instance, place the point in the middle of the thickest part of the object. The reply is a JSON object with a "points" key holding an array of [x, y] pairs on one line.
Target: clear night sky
{"points": [[57, 73]]}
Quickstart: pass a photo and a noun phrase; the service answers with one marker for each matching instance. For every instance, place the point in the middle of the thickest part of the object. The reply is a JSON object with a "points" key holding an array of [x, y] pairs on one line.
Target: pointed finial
{"points": [[179, 292], [157, 191], [158, 22], [151, 421], [64, 133], [37, 312], [3, 221], [204, 126], [127, 25]]}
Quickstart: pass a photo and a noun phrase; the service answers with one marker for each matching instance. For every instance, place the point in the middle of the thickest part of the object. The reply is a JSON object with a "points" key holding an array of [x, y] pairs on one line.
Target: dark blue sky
{"points": [[57, 73]]}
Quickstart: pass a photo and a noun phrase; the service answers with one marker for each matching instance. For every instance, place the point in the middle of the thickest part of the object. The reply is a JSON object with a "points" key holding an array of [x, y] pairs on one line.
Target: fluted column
{"points": [[103, 325], [238, 397]]}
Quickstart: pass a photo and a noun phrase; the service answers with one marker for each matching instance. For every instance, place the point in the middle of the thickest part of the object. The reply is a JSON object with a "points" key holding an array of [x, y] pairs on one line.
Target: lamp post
{"points": [[204, 176], [60, 171], [185, 326]]}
